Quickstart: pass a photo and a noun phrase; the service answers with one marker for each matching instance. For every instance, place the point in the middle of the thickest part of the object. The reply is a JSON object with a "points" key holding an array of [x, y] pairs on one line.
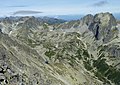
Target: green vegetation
{"points": [[87, 65], [79, 54], [48, 45], [104, 70], [101, 77], [50, 53], [72, 60], [45, 26], [101, 65], [86, 56], [31, 43]]}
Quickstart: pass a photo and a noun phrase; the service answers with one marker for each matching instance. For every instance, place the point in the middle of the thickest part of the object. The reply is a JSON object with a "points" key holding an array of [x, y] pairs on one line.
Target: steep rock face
{"points": [[88, 19], [104, 27]]}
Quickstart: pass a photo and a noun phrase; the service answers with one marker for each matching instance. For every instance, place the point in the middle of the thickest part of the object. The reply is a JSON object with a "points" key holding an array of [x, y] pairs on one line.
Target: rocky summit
{"points": [[48, 51]]}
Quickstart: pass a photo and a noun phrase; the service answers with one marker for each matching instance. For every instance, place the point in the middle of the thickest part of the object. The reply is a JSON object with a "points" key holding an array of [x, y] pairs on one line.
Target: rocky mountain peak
{"points": [[107, 20], [28, 22], [7, 20], [104, 26], [88, 19]]}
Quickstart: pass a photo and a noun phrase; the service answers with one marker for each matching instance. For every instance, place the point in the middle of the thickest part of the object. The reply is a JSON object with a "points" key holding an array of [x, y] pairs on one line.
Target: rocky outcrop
{"points": [[104, 27], [87, 20]]}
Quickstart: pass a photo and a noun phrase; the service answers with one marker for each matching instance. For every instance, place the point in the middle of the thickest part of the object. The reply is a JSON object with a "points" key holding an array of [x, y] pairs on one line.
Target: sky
{"points": [[57, 7]]}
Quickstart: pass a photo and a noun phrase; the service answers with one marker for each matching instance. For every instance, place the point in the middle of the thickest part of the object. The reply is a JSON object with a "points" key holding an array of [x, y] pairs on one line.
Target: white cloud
{"points": [[25, 12], [100, 3]]}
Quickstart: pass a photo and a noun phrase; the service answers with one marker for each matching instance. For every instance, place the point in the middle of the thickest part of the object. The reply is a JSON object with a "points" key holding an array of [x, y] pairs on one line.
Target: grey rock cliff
{"points": [[104, 27]]}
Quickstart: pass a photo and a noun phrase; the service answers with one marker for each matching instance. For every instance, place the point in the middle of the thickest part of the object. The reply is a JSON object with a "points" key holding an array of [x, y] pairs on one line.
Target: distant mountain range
{"points": [[68, 17], [79, 16], [117, 15]]}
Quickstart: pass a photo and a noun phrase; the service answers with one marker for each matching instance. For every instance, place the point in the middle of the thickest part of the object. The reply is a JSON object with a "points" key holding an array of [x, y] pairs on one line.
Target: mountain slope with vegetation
{"points": [[80, 52]]}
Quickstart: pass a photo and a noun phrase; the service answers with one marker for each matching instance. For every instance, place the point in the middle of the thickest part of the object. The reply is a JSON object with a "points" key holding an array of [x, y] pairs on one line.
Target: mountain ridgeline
{"points": [[48, 51]]}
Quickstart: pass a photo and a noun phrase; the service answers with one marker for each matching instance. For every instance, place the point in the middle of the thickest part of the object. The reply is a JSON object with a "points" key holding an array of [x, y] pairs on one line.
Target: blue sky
{"points": [[57, 7]]}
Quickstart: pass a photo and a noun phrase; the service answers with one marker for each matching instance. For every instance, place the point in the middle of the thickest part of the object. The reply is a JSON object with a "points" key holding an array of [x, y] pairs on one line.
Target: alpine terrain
{"points": [[50, 51]]}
